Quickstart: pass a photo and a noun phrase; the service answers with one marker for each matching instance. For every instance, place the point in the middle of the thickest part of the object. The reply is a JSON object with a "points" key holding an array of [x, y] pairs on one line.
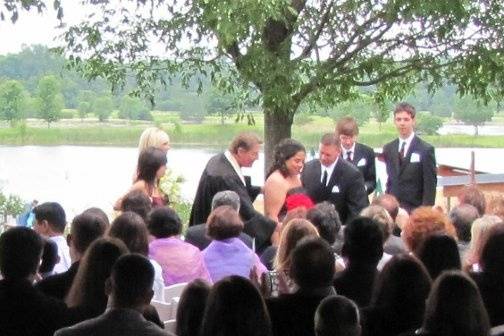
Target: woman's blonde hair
{"points": [[480, 232], [292, 233], [152, 137]]}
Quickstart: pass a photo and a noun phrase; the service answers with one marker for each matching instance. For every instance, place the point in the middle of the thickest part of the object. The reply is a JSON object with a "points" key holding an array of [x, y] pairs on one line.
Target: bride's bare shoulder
{"points": [[275, 179]]}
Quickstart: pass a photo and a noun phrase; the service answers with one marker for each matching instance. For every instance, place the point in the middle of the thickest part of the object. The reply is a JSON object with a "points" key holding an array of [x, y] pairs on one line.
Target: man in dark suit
{"points": [[23, 309], [362, 156], [223, 172], [85, 229], [410, 162], [312, 269], [332, 179]]}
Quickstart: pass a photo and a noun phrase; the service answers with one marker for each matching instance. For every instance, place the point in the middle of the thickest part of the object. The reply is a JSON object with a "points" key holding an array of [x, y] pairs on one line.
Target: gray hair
{"points": [[380, 215], [226, 197]]}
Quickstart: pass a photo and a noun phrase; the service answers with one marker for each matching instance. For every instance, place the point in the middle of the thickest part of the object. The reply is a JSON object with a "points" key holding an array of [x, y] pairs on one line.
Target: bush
{"points": [[427, 123]]}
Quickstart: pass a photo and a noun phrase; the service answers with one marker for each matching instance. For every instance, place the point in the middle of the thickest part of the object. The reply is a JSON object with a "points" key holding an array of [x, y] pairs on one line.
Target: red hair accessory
{"points": [[298, 200]]}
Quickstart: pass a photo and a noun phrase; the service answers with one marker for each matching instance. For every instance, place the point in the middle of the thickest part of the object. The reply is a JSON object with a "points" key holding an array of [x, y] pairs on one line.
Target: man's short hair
{"points": [[312, 263], [347, 126], [337, 315], [164, 222], [223, 222], [53, 213], [138, 202], [226, 197], [85, 229], [462, 217], [405, 107], [245, 140], [325, 218], [20, 252], [132, 278], [363, 241], [389, 202], [330, 139], [49, 257], [382, 217]]}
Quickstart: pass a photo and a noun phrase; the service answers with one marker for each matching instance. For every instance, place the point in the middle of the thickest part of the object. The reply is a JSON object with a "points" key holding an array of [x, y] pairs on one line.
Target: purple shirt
{"points": [[231, 257], [180, 261]]}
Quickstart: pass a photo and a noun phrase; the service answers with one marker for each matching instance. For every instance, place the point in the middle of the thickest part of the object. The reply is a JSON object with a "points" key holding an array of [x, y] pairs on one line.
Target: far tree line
{"points": [[36, 84]]}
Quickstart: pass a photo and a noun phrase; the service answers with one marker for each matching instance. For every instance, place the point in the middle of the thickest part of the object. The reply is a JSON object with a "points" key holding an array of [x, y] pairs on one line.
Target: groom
{"points": [[333, 179]]}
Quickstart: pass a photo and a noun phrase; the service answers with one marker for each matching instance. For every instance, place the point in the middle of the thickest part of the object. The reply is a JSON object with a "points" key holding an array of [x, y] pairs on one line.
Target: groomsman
{"points": [[410, 162], [362, 156]]}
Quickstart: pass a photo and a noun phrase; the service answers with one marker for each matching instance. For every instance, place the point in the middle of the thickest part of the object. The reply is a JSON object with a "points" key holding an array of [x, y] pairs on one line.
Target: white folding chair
{"points": [[173, 291], [170, 326], [164, 310]]}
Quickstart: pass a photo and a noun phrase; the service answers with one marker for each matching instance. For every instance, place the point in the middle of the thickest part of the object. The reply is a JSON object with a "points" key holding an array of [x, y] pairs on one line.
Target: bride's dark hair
{"points": [[284, 150]]}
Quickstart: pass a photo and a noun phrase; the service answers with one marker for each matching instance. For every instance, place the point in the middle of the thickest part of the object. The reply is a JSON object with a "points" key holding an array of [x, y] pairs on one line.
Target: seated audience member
{"points": [[269, 254], [473, 196], [50, 222], [180, 261], [462, 217], [278, 281], [389, 202], [227, 254], [424, 222], [398, 302], [138, 202], [491, 278], [23, 309], [439, 253], [85, 228], [129, 289], [393, 244], [191, 308], [49, 258], [480, 232], [496, 206], [362, 250], [312, 269], [196, 234], [455, 308], [86, 297], [235, 307], [337, 316], [132, 230], [326, 219]]}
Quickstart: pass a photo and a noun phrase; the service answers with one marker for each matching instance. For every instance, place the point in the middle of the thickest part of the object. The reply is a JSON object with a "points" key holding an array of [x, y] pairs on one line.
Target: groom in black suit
{"points": [[410, 162], [362, 156], [332, 179]]}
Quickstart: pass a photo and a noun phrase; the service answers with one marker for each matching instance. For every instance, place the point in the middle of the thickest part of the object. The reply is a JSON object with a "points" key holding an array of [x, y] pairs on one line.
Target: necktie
{"points": [[401, 151], [324, 178], [349, 156]]}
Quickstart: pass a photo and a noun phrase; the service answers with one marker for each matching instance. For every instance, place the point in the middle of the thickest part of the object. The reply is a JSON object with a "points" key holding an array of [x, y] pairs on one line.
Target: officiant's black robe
{"points": [[219, 175]]}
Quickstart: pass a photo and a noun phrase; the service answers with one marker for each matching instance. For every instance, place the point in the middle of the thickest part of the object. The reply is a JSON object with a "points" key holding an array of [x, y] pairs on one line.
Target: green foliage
{"points": [[473, 112], [193, 108], [224, 105], [427, 123], [12, 101], [302, 119], [10, 206], [49, 99], [103, 107], [134, 108], [360, 109]]}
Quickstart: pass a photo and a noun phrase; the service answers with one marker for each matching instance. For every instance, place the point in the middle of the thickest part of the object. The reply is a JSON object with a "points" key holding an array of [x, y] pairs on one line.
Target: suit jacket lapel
{"points": [[395, 155], [333, 180]]}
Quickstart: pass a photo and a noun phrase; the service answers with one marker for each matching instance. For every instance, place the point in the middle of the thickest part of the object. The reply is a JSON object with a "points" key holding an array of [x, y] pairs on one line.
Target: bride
{"points": [[284, 175]]}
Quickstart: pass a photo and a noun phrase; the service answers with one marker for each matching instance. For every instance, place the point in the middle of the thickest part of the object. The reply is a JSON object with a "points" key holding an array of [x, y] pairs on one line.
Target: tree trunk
{"points": [[476, 133], [277, 126]]}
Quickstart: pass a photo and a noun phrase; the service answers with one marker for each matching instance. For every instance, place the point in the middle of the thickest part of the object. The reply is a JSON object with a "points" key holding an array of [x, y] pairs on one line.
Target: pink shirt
{"points": [[180, 261]]}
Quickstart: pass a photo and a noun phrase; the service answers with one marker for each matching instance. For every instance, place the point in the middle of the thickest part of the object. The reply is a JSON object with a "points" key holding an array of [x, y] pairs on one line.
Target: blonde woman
{"points": [[278, 281], [480, 232]]}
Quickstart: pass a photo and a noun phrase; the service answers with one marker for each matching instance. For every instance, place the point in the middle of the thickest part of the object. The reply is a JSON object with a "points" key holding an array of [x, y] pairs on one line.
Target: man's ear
{"points": [[148, 296], [69, 239], [108, 286]]}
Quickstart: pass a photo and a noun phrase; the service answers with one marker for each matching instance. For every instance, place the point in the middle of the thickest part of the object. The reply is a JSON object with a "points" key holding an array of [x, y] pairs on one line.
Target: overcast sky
{"points": [[34, 28]]}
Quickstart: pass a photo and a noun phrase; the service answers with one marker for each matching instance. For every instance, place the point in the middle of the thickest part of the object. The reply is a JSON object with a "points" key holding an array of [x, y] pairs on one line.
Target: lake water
{"points": [[80, 177]]}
